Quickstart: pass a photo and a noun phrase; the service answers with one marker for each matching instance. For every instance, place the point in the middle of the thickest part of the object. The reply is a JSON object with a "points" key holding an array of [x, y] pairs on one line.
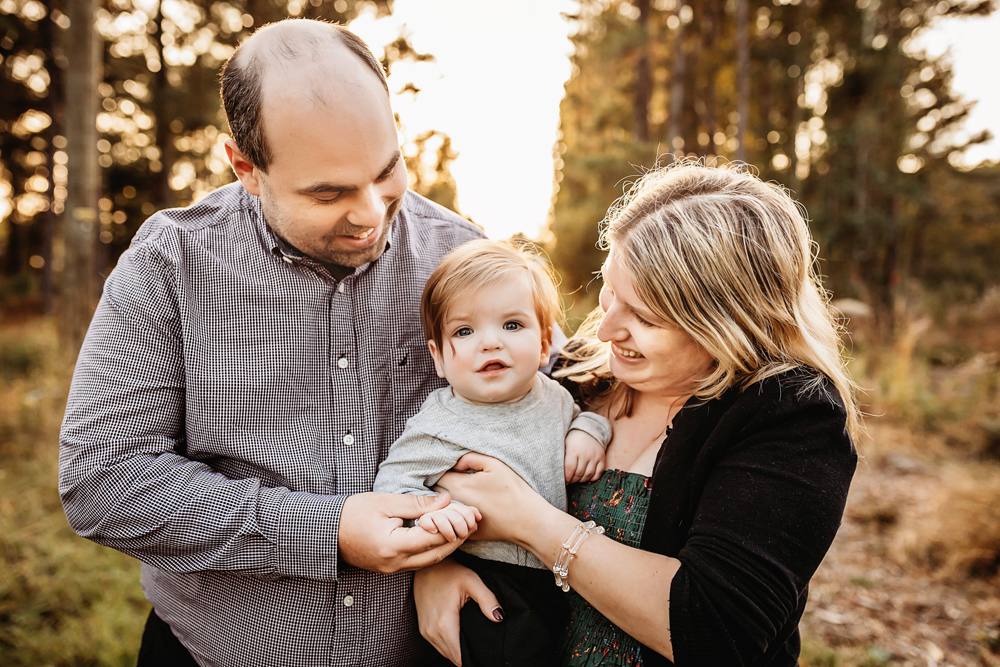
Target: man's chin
{"points": [[355, 258]]}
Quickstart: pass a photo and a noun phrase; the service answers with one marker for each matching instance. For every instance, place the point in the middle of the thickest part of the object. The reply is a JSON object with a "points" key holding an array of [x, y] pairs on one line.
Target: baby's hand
{"points": [[584, 457], [454, 522]]}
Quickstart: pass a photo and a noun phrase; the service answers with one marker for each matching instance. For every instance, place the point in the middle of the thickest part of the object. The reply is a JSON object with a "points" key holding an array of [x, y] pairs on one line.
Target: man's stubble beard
{"points": [[323, 251]]}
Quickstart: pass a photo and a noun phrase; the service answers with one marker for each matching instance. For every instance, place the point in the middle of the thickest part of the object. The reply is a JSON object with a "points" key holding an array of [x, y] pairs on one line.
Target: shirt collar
{"points": [[280, 248]]}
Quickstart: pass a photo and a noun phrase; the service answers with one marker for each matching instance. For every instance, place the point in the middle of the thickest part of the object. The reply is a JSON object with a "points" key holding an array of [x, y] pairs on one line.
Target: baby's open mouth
{"points": [[494, 366]]}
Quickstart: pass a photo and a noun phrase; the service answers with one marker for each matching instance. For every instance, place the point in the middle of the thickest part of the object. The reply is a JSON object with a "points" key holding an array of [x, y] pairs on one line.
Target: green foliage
{"points": [[843, 111], [160, 119]]}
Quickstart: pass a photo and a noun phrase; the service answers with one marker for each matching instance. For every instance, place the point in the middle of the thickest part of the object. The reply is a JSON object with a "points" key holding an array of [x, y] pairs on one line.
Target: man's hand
{"points": [[584, 457], [455, 522], [440, 592], [371, 534]]}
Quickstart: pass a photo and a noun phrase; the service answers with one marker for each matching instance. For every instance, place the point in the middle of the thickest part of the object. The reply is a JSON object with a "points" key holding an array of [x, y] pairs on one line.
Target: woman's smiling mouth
{"points": [[628, 354]]}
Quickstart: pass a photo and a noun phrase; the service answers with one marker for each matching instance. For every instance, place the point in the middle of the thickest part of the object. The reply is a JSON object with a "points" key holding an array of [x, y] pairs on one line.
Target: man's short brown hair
{"points": [[241, 83]]}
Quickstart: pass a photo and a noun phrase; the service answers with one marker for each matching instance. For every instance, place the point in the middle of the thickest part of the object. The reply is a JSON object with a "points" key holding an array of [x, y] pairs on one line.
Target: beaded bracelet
{"points": [[569, 549]]}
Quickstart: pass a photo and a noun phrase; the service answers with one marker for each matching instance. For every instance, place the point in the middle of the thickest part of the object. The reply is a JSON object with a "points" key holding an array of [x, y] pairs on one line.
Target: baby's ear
{"points": [[543, 359], [438, 359]]}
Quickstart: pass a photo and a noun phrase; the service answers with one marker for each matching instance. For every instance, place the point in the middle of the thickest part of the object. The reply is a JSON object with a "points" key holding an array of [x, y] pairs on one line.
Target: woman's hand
{"points": [[504, 499], [440, 592]]}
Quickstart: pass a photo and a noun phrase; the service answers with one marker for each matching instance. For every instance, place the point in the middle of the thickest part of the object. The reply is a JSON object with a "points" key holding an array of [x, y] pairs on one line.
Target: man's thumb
{"points": [[413, 506]]}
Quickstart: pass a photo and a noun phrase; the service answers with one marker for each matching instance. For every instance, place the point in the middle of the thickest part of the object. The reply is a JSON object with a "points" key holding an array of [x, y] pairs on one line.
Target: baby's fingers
{"points": [[465, 520], [572, 469], [442, 525]]}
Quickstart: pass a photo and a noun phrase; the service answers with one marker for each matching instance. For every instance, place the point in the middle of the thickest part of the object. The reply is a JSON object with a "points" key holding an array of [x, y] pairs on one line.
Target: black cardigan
{"points": [[748, 493]]}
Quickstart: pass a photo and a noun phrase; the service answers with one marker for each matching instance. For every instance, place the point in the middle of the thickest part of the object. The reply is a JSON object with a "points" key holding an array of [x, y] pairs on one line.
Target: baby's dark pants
{"points": [[535, 614]]}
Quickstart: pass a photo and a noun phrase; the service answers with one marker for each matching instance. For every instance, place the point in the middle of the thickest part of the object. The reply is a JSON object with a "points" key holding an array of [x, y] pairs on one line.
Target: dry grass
{"points": [[957, 533], [63, 600]]}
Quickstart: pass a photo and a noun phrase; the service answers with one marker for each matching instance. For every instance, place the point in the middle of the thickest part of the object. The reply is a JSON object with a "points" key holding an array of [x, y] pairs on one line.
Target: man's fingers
{"points": [[413, 506], [434, 555]]}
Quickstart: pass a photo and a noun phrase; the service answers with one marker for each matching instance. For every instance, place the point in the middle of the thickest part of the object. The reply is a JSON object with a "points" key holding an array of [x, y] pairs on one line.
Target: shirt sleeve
{"points": [[594, 425], [124, 479], [766, 518], [415, 463]]}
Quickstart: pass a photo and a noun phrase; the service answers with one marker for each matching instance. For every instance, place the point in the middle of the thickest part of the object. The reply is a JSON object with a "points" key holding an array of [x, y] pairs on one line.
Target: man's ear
{"points": [[438, 359], [543, 359], [245, 171]]}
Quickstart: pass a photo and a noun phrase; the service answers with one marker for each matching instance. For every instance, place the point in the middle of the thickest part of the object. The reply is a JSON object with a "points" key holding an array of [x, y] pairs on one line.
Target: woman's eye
{"points": [[645, 323], [463, 332], [512, 326]]}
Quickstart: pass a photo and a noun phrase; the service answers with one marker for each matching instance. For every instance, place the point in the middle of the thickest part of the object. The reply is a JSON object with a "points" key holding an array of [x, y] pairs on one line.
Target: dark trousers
{"points": [[535, 615], [160, 648]]}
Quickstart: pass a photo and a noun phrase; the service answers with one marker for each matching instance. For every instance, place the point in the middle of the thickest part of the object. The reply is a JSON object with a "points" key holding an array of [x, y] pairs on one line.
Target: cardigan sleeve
{"points": [[769, 509]]}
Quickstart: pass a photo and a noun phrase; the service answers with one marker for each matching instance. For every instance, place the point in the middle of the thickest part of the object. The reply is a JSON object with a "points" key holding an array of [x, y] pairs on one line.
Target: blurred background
{"points": [[531, 117]]}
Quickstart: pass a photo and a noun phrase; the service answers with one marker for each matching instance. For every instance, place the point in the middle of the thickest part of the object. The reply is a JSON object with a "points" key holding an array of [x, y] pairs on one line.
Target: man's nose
{"points": [[369, 209]]}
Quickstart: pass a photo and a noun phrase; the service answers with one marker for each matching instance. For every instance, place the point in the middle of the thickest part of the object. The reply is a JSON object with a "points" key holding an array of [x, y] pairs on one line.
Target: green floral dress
{"points": [[617, 501]]}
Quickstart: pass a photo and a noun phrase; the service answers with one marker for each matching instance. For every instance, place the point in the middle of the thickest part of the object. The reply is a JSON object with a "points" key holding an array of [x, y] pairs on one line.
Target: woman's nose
{"points": [[610, 327]]}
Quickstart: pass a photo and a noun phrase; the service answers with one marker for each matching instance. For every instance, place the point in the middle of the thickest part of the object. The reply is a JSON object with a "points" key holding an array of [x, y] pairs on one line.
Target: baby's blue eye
{"points": [[464, 331], [512, 326]]}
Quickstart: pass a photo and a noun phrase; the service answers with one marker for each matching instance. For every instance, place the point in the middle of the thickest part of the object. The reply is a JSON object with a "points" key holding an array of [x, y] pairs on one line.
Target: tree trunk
{"points": [[742, 75], [49, 221], [711, 123], [643, 77], [163, 197], [80, 216], [677, 87]]}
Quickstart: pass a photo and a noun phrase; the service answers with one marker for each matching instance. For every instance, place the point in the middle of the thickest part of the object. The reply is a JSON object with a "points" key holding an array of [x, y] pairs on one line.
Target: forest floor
{"points": [[894, 591], [868, 604]]}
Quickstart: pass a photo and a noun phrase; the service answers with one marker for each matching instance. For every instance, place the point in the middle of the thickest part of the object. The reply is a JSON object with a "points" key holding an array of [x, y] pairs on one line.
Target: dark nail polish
{"points": [[498, 614]]}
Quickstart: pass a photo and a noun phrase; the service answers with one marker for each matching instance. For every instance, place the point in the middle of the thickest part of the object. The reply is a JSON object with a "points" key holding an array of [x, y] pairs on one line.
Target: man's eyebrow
{"points": [[327, 188], [392, 164]]}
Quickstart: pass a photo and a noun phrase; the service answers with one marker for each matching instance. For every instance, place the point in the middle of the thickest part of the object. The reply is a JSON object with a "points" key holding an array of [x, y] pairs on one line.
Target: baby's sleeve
{"points": [[594, 425], [415, 463]]}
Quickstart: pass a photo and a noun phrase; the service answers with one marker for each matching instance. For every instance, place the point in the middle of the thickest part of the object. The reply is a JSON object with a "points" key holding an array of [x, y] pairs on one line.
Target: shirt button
{"points": [[348, 600], [343, 362], [340, 287], [348, 439]]}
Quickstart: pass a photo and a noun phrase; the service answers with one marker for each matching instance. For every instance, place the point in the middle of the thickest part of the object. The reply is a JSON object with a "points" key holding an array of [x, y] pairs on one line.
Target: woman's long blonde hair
{"points": [[728, 259]]}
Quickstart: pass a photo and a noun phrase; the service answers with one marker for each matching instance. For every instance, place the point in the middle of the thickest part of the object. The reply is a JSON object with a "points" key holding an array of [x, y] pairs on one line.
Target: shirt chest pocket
{"points": [[412, 378]]}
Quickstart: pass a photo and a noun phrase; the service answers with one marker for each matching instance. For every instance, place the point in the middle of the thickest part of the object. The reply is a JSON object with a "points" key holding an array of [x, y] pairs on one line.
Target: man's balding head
{"points": [[261, 65]]}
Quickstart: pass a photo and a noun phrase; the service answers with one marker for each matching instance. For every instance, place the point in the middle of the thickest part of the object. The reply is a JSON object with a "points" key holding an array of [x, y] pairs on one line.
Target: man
{"points": [[250, 363]]}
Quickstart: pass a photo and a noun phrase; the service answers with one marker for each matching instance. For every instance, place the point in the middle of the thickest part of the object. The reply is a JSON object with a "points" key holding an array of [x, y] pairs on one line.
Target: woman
{"points": [[717, 359]]}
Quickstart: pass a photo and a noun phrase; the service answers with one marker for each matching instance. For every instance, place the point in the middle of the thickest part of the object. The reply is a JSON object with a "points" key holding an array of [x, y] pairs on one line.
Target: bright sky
{"points": [[974, 45], [498, 78]]}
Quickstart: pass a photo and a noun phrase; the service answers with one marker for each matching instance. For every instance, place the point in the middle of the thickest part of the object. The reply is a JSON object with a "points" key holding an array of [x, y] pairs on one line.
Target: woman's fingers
{"points": [[473, 461], [440, 593]]}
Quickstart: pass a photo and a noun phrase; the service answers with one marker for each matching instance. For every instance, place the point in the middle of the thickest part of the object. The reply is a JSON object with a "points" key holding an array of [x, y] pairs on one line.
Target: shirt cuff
{"points": [[307, 535], [594, 425]]}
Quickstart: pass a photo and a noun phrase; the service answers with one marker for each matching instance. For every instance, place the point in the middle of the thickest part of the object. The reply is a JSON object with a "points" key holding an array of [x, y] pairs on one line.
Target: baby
{"points": [[489, 312]]}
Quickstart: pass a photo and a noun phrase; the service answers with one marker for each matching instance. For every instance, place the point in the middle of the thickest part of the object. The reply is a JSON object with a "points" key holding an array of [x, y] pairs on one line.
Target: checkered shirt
{"points": [[227, 398]]}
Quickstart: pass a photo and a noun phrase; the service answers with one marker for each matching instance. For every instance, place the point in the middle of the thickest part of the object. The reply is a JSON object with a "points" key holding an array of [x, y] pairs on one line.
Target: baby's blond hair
{"points": [[484, 263]]}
